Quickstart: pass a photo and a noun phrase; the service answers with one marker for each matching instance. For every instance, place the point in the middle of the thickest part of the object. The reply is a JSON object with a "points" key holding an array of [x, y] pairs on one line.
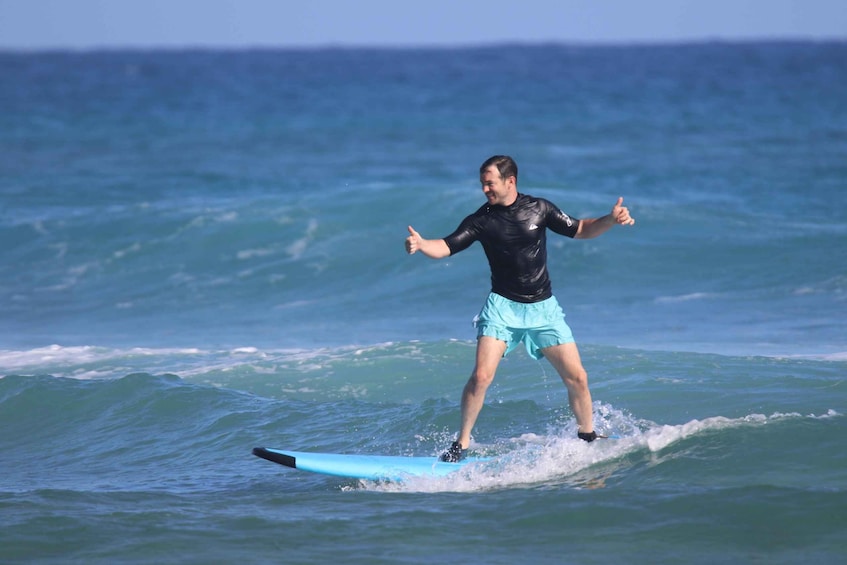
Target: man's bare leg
{"points": [[489, 351], [565, 359]]}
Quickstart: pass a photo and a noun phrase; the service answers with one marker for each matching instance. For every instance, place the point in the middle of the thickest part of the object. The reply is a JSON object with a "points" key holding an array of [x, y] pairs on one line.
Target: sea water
{"points": [[202, 252]]}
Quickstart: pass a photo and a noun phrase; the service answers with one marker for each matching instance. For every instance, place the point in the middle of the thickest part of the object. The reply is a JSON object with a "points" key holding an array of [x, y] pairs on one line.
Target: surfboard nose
{"points": [[275, 456]]}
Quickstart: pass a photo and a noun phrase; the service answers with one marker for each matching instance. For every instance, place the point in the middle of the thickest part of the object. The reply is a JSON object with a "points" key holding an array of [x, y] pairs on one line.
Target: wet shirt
{"points": [[515, 242]]}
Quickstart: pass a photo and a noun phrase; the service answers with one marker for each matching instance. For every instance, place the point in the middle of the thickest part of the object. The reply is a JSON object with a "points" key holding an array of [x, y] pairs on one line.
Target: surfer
{"points": [[512, 228]]}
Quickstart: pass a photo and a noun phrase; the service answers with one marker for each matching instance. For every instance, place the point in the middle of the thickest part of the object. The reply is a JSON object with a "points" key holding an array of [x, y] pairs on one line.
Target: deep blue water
{"points": [[202, 251]]}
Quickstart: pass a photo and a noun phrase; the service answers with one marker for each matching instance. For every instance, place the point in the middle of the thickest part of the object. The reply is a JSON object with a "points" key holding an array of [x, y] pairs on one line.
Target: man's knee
{"points": [[576, 376], [481, 378], [569, 366]]}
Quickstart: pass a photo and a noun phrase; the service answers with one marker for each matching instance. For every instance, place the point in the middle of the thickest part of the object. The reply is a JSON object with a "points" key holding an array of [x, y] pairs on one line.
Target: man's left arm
{"points": [[592, 227]]}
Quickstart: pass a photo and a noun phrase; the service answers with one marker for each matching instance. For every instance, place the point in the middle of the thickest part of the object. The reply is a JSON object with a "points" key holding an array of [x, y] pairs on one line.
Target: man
{"points": [[521, 307]]}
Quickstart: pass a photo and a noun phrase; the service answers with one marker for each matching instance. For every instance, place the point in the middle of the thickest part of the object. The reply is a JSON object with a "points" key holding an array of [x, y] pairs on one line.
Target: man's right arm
{"points": [[434, 248]]}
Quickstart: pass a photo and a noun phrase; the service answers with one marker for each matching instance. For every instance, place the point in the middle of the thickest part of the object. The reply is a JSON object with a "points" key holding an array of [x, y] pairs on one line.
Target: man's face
{"points": [[496, 189]]}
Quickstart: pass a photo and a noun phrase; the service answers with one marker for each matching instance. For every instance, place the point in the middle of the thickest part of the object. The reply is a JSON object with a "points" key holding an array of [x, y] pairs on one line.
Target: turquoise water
{"points": [[202, 252]]}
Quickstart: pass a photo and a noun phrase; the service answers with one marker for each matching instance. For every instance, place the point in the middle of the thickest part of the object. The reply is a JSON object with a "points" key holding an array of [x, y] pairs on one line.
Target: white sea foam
{"points": [[89, 362], [298, 247], [86, 361], [683, 297], [837, 356], [533, 460], [246, 254]]}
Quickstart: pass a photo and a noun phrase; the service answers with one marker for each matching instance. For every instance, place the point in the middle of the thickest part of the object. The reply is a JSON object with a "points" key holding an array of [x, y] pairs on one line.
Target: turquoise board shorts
{"points": [[537, 325]]}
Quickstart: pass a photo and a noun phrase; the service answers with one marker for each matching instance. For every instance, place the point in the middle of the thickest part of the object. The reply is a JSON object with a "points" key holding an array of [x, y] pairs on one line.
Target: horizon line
{"points": [[434, 46]]}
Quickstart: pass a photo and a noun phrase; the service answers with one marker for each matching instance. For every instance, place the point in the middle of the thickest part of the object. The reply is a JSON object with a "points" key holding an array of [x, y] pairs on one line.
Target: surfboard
{"points": [[371, 467]]}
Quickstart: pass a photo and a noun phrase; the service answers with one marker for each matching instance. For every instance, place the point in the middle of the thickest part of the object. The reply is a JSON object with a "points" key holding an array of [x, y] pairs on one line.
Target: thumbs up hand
{"points": [[620, 214], [413, 242]]}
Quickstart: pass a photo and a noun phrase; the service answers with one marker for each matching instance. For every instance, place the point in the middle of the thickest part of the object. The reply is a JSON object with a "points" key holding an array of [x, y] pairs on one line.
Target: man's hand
{"points": [[413, 242], [620, 214], [432, 248]]}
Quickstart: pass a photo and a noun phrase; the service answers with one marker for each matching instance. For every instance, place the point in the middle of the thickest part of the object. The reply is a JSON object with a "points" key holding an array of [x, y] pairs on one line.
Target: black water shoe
{"points": [[454, 454], [589, 437]]}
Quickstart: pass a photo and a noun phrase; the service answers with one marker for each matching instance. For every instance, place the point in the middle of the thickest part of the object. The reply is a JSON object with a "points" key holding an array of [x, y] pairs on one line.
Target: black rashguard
{"points": [[515, 241]]}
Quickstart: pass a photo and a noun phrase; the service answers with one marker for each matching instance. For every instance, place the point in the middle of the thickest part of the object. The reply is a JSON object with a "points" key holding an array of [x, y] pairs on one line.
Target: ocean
{"points": [[201, 252]]}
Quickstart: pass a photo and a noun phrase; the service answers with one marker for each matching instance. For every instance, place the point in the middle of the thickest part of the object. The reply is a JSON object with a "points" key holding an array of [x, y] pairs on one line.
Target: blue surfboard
{"points": [[372, 467]]}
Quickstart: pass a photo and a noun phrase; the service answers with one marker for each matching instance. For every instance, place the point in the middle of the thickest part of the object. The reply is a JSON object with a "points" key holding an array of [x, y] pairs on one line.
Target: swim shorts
{"points": [[537, 324]]}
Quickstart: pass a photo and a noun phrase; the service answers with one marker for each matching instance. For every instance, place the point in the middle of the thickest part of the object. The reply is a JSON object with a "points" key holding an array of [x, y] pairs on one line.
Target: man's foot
{"points": [[454, 454], [589, 437]]}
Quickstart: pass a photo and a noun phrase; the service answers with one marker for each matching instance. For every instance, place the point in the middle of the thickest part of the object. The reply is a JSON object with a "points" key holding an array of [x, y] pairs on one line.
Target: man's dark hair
{"points": [[505, 164]]}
